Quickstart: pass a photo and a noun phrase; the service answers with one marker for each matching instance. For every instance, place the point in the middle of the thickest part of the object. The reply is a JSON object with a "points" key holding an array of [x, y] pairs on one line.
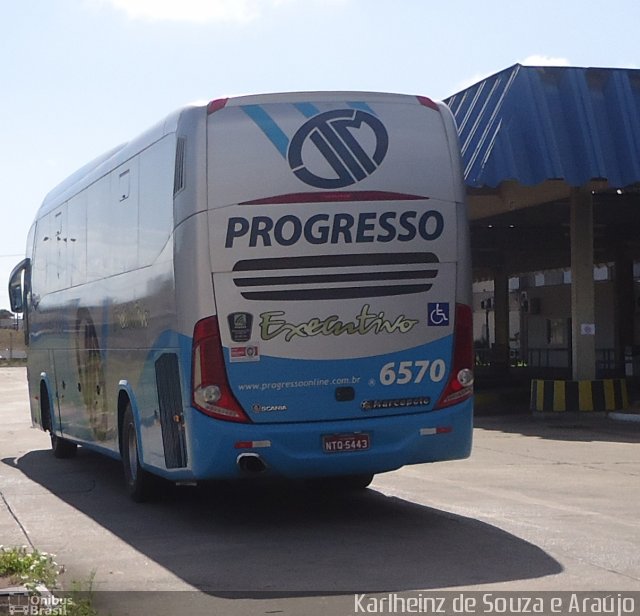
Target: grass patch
{"points": [[33, 570], [30, 569], [13, 363]]}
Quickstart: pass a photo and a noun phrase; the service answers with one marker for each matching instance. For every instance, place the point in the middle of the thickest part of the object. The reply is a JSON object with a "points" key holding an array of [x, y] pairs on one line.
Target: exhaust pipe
{"points": [[251, 463]]}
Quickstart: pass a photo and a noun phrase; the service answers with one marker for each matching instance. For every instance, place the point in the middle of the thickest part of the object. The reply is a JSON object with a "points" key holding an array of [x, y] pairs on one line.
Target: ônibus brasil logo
{"points": [[352, 142]]}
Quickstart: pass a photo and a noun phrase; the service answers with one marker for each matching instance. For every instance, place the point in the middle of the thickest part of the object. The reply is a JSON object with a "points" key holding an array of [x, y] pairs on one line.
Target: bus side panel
{"points": [[103, 296]]}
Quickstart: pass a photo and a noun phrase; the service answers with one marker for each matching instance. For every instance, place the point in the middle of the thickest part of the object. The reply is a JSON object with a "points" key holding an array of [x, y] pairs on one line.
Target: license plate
{"points": [[342, 443]]}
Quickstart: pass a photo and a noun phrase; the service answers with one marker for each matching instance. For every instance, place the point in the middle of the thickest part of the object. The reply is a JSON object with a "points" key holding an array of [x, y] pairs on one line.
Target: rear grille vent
{"points": [[178, 175], [170, 402], [335, 276]]}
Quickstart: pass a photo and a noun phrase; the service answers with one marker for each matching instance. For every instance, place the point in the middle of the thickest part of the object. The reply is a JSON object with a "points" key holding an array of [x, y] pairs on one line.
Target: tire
{"points": [[60, 447], [344, 483], [140, 484]]}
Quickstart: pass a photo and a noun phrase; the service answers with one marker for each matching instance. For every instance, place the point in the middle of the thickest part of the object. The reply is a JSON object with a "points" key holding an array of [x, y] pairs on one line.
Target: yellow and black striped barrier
{"points": [[598, 395]]}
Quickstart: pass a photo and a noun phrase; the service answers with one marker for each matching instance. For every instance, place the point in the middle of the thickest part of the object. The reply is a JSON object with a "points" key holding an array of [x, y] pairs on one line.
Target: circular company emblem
{"points": [[351, 141]]}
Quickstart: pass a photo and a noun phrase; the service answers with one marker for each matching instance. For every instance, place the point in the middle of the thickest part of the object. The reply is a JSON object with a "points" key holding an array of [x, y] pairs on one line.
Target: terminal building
{"points": [[551, 159]]}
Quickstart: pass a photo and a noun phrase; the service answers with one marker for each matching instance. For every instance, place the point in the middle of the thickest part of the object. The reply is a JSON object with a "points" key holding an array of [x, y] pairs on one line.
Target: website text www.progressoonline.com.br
{"points": [[300, 384]]}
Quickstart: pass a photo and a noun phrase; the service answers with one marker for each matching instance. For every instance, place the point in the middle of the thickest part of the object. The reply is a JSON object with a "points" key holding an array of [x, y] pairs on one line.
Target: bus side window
{"points": [[98, 249], [125, 185], [77, 244], [157, 171], [50, 269], [121, 228], [60, 272], [38, 268]]}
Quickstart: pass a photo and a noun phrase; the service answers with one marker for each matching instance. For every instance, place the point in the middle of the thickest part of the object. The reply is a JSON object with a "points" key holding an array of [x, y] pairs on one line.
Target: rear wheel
{"points": [[140, 483], [344, 483]]}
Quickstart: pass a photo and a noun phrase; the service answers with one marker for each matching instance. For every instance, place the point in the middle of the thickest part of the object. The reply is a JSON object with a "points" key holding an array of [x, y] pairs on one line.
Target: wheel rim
{"points": [[132, 451]]}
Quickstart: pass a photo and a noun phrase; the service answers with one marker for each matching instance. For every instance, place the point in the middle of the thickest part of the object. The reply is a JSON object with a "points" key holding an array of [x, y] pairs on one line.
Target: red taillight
{"points": [[216, 105], [460, 385], [211, 393], [427, 102]]}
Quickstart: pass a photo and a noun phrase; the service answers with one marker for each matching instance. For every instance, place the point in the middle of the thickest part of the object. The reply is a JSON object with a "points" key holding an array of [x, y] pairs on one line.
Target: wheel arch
{"points": [[46, 404], [126, 398]]}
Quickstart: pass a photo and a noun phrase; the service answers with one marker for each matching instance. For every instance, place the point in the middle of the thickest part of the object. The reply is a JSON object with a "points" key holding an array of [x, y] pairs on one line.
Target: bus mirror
{"points": [[16, 289]]}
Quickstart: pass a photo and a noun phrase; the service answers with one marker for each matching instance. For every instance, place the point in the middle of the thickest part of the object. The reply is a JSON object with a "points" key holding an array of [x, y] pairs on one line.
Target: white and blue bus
{"points": [[272, 285]]}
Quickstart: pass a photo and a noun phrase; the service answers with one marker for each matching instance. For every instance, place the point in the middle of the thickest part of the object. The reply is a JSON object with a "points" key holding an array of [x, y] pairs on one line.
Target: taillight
{"points": [[216, 105], [460, 385], [211, 393], [427, 102]]}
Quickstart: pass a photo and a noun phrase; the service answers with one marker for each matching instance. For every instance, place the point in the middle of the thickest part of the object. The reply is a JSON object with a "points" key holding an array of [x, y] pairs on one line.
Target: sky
{"points": [[78, 77]]}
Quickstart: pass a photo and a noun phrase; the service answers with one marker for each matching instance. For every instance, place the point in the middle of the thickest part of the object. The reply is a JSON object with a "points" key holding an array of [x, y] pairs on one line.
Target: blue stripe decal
{"points": [[308, 110], [362, 106], [267, 125]]}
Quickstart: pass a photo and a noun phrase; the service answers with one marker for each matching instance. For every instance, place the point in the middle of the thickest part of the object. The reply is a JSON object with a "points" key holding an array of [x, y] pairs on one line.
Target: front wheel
{"points": [[61, 447], [140, 483]]}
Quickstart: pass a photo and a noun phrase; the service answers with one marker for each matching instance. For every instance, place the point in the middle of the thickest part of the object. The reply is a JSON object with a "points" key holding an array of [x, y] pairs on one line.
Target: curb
{"points": [[581, 396], [624, 417]]}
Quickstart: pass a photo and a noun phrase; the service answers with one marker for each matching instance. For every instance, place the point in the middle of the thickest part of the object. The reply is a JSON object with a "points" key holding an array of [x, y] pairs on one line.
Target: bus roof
{"points": [[100, 166]]}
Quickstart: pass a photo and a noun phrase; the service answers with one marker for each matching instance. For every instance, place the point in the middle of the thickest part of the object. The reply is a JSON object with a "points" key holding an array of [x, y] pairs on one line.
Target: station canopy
{"points": [[530, 136], [532, 124]]}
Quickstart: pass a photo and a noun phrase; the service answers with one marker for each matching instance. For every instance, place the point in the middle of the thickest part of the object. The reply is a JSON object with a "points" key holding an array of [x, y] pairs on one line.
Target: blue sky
{"points": [[80, 76]]}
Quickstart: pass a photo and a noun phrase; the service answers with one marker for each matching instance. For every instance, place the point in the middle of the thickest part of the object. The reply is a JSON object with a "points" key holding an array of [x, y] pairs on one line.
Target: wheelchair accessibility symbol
{"points": [[438, 314]]}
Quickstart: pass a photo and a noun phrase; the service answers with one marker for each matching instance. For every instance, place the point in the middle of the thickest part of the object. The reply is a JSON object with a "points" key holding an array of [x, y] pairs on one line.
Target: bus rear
{"points": [[341, 340]]}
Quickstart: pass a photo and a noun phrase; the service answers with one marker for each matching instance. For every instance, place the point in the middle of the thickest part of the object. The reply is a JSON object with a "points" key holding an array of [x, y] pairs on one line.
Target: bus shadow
{"points": [[284, 540]]}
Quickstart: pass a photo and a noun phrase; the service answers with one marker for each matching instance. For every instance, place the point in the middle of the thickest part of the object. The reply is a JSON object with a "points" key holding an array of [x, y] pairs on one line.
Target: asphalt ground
{"points": [[544, 504]]}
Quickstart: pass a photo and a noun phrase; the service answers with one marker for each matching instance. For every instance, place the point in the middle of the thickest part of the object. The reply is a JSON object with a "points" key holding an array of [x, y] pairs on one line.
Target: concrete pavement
{"points": [[542, 504]]}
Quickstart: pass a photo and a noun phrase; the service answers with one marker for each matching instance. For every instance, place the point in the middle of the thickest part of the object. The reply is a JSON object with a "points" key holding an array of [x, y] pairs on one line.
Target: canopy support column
{"points": [[500, 355], [583, 340]]}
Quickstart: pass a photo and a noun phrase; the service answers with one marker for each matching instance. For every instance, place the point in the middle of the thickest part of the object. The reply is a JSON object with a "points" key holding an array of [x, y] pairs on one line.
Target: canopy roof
{"points": [[532, 124]]}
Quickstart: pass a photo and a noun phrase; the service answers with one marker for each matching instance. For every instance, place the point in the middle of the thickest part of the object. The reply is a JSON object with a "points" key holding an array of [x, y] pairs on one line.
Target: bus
{"points": [[268, 285]]}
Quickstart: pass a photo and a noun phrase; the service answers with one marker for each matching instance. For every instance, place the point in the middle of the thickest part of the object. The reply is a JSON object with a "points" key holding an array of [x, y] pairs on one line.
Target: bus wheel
{"points": [[60, 447], [140, 483], [344, 483]]}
